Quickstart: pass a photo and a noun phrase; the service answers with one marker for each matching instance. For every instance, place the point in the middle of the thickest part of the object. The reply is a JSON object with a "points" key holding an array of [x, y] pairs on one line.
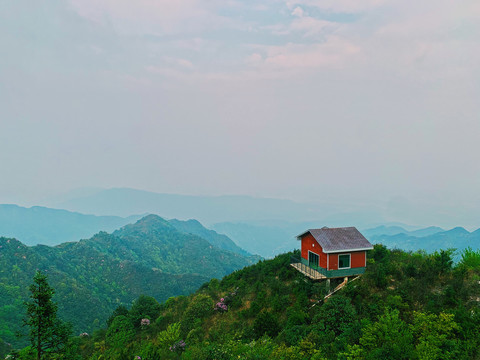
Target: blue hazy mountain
{"points": [[270, 239], [219, 240], [395, 230], [458, 238], [41, 225]]}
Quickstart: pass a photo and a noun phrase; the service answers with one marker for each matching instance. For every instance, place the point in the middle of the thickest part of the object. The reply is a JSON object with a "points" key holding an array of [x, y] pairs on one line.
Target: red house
{"points": [[333, 252]]}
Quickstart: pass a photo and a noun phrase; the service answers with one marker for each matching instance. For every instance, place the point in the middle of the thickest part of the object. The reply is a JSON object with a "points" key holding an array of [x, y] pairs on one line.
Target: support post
{"points": [[327, 284]]}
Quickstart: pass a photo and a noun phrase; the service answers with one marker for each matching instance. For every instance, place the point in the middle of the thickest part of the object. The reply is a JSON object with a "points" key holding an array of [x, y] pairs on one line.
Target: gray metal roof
{"points": [[334, 240]]}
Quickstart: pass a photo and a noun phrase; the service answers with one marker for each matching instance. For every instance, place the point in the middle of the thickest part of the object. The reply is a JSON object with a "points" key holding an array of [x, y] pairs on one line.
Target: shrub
{"points": [[266, 324]]}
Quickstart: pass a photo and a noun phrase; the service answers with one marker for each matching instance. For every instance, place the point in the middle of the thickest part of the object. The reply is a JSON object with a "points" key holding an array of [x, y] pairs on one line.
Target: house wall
{"points": [[357, 259], [309, 243]]}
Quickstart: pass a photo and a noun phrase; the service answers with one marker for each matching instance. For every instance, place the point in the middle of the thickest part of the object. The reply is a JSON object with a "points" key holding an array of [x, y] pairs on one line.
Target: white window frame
{"points": [[349, 261]]}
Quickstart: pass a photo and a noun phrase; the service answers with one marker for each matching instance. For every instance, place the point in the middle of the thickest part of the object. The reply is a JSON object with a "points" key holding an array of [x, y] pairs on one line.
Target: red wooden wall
{"points": [[309, 243], [357, 258]]}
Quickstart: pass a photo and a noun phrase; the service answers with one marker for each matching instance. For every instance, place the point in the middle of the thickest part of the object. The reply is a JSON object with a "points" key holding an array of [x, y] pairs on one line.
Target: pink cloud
{"points": [[339, 5], [152, 16], [333, 53]]}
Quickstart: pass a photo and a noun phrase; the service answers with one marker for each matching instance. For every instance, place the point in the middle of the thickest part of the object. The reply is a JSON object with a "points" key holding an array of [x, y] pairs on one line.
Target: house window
{"points": [[344, 261], [313, 259]]}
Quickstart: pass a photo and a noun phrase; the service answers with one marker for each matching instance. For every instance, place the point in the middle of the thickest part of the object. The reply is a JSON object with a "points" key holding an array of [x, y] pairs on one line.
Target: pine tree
{"points": [[47, 333]]}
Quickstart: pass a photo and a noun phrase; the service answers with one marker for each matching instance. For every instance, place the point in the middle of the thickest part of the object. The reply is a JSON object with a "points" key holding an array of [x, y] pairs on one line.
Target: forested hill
{"points": [[406, 306], [218, 240], [94, 276]]}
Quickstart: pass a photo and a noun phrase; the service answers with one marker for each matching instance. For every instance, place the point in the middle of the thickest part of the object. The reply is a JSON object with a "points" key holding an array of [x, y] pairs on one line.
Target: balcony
{"points": [[319, 273]]}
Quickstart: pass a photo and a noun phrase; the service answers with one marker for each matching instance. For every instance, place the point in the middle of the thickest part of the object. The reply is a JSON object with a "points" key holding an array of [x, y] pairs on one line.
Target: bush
{"points": [[144, 307], [120, 332], [266, 324]]}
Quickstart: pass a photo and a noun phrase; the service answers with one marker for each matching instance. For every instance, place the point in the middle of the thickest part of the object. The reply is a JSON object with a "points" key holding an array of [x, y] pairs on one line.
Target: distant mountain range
{"points": [[272, 239], [267, 238], [92, 277], [395, 230], [41, 225], [219, 240], [429, 239]]}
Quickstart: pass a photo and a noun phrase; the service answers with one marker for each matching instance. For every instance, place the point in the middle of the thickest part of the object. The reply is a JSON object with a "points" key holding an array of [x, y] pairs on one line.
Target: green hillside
{"points": [[92, 277], [406, 306], [218, 240]]}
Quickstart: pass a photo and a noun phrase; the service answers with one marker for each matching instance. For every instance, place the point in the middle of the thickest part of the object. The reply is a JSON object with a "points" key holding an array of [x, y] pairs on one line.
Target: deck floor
{"points": [[311, 273]]}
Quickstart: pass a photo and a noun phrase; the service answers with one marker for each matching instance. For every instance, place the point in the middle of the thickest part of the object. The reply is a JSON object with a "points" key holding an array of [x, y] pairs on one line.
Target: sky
{"points": [[358, 102]]}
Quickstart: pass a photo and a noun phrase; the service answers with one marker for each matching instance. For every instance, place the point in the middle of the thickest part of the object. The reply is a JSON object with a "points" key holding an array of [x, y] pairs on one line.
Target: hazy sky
{"points": [[363, 101]]}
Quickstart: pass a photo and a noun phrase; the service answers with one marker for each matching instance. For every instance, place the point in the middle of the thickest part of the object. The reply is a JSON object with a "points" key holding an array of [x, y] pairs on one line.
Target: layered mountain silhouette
{"points": [[94, 276], [41, 225], [456, 238]]}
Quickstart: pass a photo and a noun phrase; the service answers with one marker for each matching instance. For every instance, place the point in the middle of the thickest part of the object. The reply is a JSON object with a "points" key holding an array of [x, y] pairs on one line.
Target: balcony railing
{"points": [[317, 272], [309, 271]]}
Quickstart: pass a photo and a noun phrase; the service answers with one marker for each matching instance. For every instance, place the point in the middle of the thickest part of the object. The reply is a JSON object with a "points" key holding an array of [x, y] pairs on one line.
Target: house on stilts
{"points": [[329, 253]]}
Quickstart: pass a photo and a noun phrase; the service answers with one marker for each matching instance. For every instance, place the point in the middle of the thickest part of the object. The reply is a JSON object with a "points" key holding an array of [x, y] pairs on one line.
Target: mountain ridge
{"points": [[94, 276], [48, 226]]}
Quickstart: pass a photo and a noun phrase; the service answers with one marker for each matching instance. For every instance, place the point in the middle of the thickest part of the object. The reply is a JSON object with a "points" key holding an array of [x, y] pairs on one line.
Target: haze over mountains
{"points": [[41, 225], [210, 209], [160, 257], [456, 238], [45, 226], [267, 238], [336, 211]]}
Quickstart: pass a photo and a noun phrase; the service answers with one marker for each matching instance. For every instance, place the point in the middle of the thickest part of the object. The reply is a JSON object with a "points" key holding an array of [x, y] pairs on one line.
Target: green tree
{"points": [[144, 307], [120, 310], [120, 332], [436, 336], [471, 258], [170, 336], [47, 333], [388, 338], [200, 307], [266, 323], [443, 260], [337, 314]]}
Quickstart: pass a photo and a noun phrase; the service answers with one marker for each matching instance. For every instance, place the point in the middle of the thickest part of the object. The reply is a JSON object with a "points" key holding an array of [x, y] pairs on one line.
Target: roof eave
{"points": [[347, 250], [299, 237]]}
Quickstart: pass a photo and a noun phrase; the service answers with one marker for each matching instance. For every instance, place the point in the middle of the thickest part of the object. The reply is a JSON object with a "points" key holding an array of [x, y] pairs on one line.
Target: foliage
{"points": [[471, 258], [389, 337], [120, 332], [144, 307], [47, 333], [266, 324], [436, 336], [405, 306], [337, 315], [121, 310], [170, 336], [95, 276]]}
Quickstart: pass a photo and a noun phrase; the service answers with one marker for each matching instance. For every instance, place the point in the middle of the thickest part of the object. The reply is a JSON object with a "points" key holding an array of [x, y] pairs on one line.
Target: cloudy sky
{"points": [[372, 101]]}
